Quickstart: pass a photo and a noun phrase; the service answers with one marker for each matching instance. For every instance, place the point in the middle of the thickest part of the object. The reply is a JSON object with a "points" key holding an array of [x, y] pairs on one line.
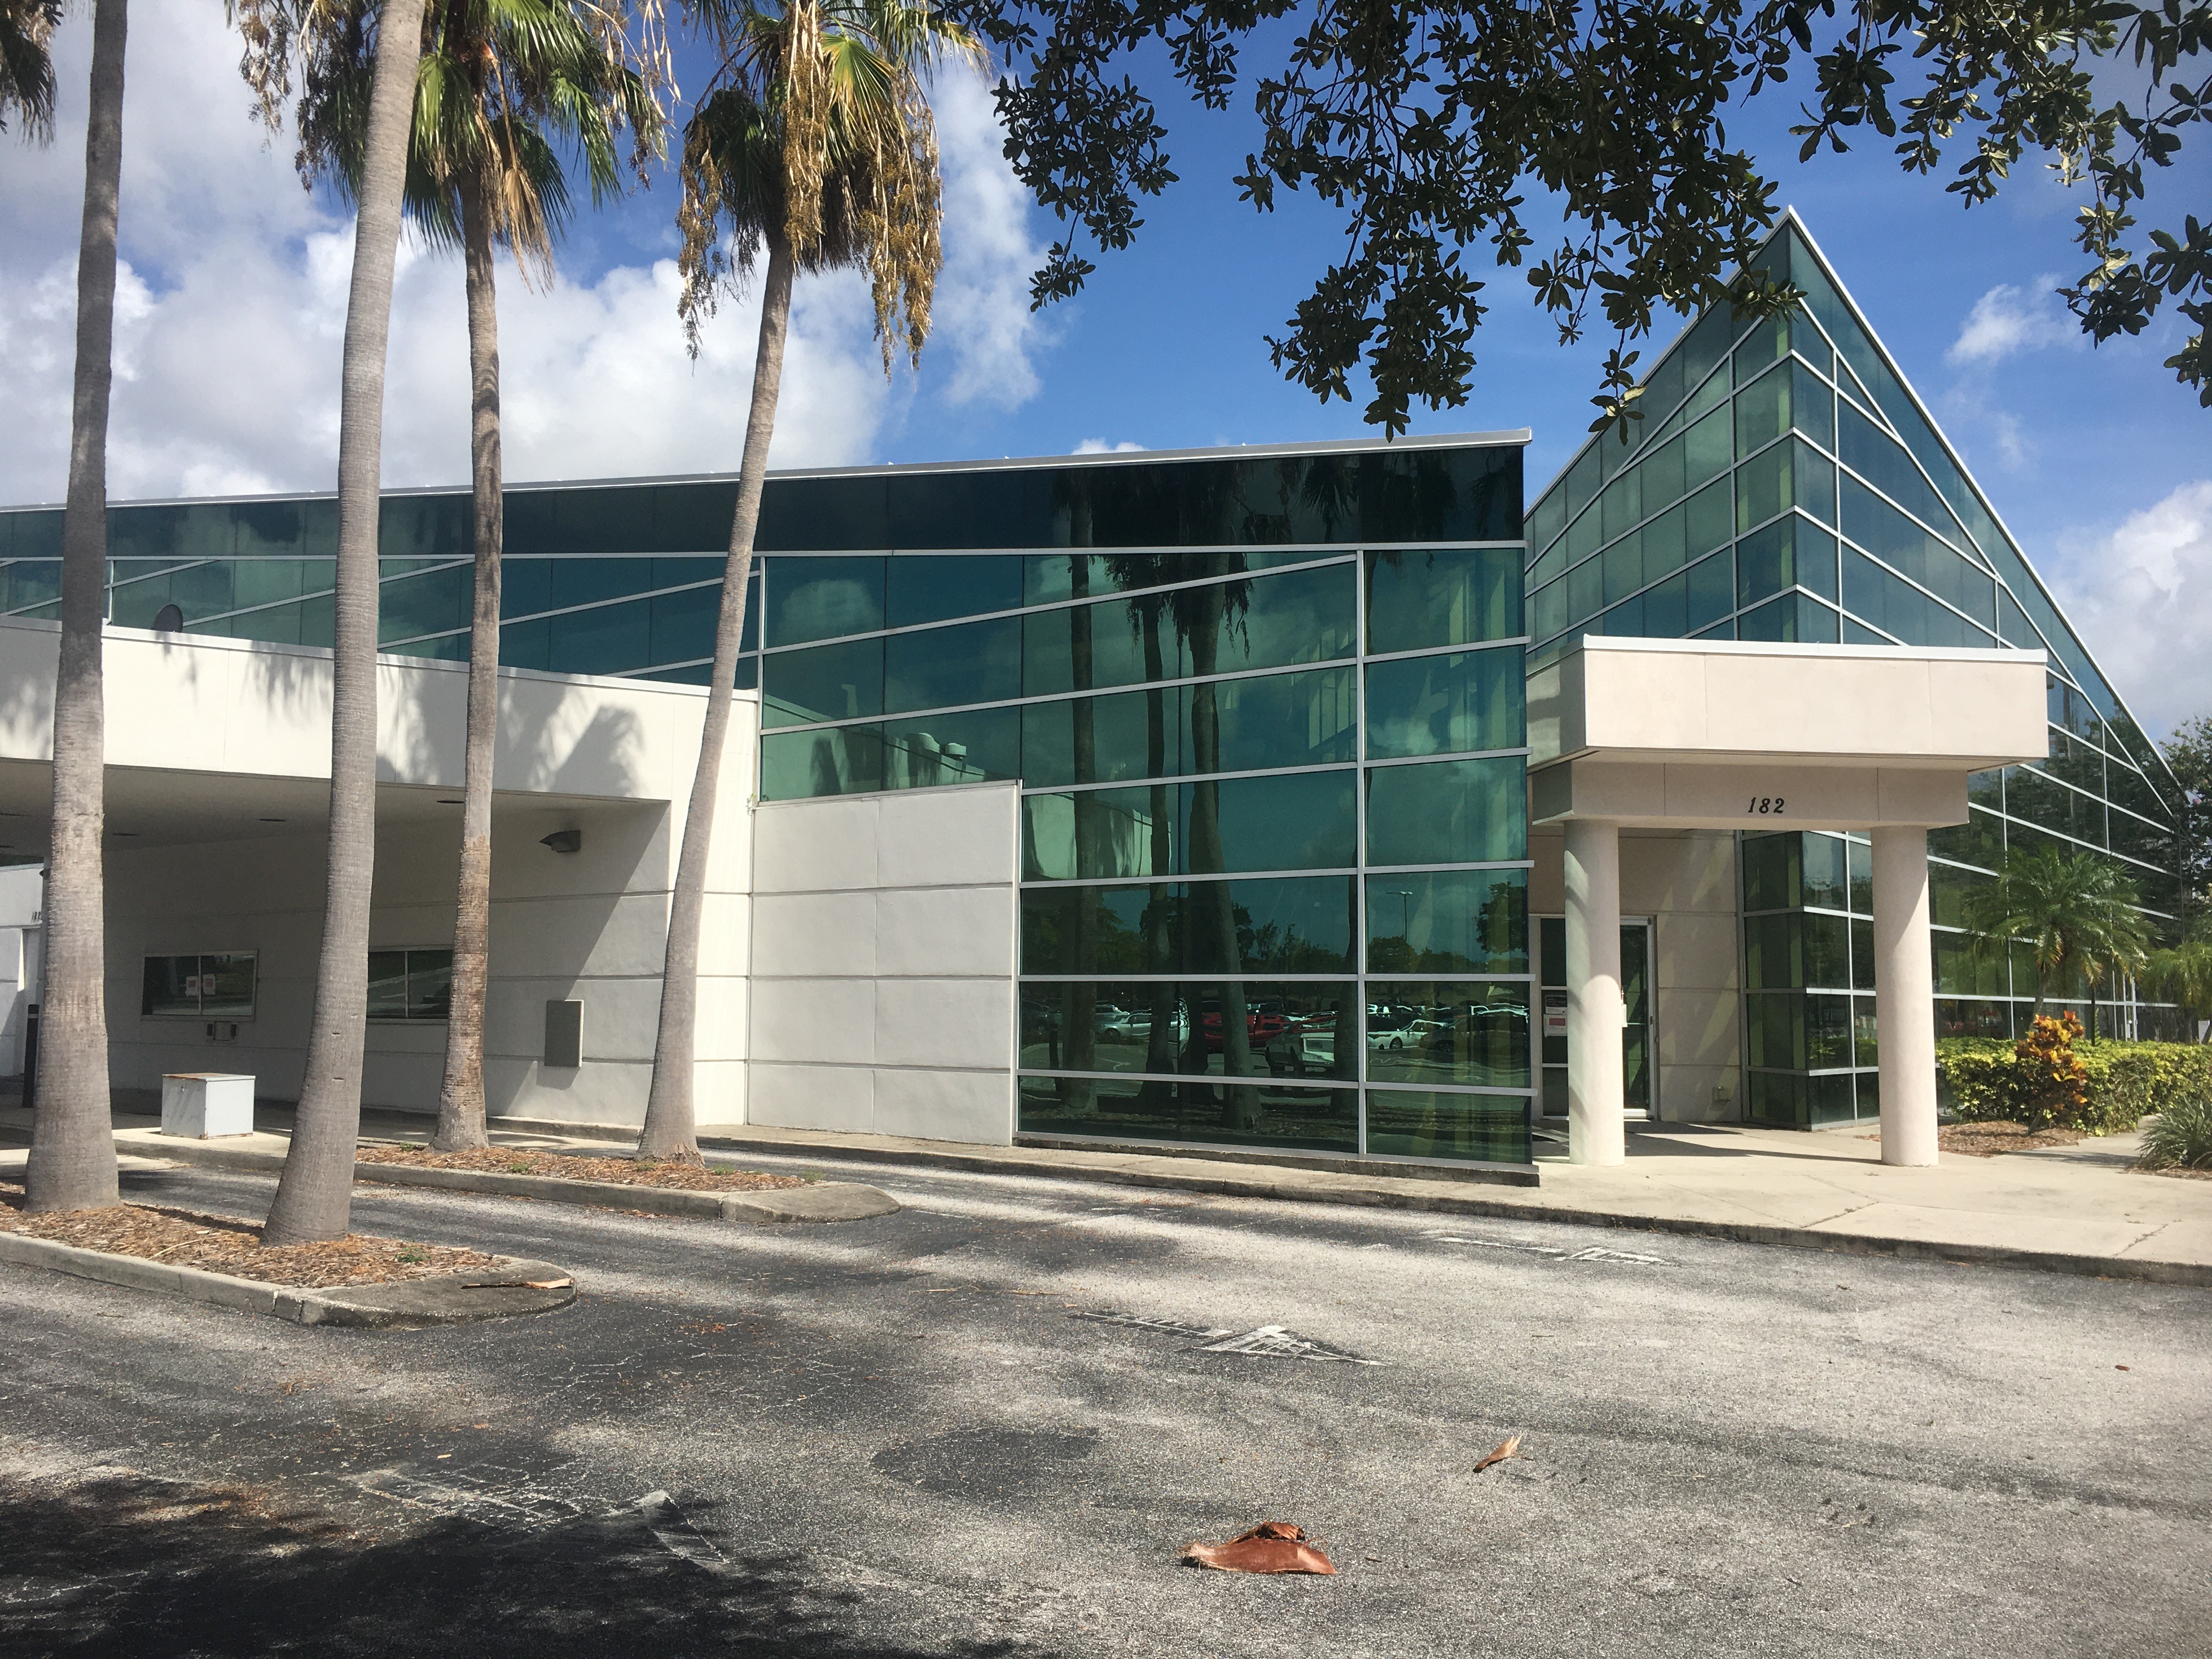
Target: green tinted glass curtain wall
{"points": [[1265, 707], [1784, 485]]}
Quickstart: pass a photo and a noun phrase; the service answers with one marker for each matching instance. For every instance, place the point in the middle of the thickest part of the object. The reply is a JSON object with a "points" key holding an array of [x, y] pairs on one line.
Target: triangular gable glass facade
{"points": [[1785, 485]]}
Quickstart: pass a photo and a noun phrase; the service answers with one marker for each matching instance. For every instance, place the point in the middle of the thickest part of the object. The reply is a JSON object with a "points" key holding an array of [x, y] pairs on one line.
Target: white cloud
{"points": [[231, 311], [2007, 319], [2142, 596], [1100, 446]]}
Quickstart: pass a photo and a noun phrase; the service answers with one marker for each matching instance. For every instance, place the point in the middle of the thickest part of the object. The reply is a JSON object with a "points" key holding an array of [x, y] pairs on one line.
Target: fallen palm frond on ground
{"points": [[562, 1166], [232, 1245], [1509, 1447], [1271, 1546]]}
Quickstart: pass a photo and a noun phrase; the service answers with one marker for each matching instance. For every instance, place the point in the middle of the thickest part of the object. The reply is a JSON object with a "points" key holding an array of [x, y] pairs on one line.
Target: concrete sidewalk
{"points": [[2076, 1209]]}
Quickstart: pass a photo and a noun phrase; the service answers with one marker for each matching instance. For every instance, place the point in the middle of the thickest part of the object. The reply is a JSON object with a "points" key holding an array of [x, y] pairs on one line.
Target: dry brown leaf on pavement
{"points": [[1509, 1447], [1271, 1546]]}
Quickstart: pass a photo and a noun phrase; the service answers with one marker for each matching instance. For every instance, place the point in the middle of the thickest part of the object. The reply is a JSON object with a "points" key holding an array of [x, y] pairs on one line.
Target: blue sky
{"points": [[231, 306]]}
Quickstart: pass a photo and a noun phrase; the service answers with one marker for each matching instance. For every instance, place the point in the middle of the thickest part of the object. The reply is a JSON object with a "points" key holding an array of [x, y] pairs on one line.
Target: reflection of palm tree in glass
{"points": [[1144, 571], [1078, 999]]}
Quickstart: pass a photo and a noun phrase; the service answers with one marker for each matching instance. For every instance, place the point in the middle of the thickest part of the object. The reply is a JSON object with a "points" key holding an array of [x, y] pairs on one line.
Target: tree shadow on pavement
{"points": [[127, 1565]]}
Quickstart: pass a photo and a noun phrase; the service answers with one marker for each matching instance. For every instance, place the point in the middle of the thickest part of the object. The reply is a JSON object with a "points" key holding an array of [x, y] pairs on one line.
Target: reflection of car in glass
{"points": [[1390, 1025], [1303, 1050], [1263, 1023]]}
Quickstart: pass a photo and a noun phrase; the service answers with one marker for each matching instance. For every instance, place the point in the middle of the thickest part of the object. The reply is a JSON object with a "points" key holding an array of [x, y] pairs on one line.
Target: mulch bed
{"points": [[1988, 1139], [625, 1171], [228, 1244]]}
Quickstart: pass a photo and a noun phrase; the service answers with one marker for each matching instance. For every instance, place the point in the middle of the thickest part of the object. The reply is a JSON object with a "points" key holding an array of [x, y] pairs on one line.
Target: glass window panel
{"points": [[1708, 448], [1793, 617], [1429, 1123], [1449, 922], [1827, 1031], [1772, 869], [1711, 591], [1584, 536], [1709, 519], [526, 587], [591, 581], [1586, 590], [1443, 597], [1665, 608], [1812, 482], [522, 645], [1827, 949], [1666, 542], [1827, 872], [387, 984], [1774, 1031], [826, 682], [1546, 521], [1772, 951], [1463, 811], [1116, 643], [1189, 1027], [1762, 409], [1622, 503], [845, 760], [1899, 609], [267, 582], [427, 604], [939, 587], [1470, 1032], [1547, 610], [1445, 705], [1096, 835], [684, 573], [682, 624], [981, 745], [1135, 734], [1767, 561], [1274, 924], [1235, 1114], [277, 624], [974, 662], [170, 988], [819, 599], [1286, 821], [1813, 406], [1277, 719], [1623, 566], [1307, 615], [606, 639], [430, 984], [1581, 480], [1877, 458], [1663, 474], [1898, 542], [1861, 955]]}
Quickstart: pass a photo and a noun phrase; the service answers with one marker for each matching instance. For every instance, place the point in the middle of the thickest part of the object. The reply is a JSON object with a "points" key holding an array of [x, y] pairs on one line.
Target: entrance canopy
{"points": [[1740, 735], [1699, 734]]}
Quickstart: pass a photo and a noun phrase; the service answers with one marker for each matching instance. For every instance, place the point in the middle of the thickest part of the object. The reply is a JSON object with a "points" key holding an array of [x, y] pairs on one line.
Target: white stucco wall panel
{"points": [[826, 1020], [942, 1022], [884, 945], [800, 1096], [814, 935], [946, 930], [945, 1105]]}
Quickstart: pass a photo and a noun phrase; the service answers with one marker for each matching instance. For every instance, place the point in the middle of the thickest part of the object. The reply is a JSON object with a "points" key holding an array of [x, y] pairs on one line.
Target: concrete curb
{"points": [[822, 1202], [450, 1299], [1215, 1181]]}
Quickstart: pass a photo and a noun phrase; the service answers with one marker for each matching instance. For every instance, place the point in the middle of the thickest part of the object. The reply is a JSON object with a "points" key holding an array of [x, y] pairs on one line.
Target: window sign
{"points": [[216, 986], [410, 984]]}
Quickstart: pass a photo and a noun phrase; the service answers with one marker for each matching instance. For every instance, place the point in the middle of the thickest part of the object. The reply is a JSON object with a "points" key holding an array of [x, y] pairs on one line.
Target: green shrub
{"points": [[2180, 1137], [1979, 1080]]}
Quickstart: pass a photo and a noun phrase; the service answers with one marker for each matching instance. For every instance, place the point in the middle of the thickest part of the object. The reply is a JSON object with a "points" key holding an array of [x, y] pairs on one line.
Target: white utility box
{"points": [[203, 1105]]}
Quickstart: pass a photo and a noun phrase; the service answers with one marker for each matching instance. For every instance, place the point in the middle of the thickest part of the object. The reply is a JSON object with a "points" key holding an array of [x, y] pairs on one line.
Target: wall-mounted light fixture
{"points": [[564, 840], [169, 619]]}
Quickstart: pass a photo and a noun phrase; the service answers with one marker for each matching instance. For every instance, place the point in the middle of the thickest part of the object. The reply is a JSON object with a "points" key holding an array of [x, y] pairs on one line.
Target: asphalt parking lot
{"points": [[987, 1424]]}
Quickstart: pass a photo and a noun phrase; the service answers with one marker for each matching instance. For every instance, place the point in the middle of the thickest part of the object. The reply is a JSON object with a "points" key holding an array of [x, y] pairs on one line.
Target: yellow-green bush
{"points": [[1979, 1080]]}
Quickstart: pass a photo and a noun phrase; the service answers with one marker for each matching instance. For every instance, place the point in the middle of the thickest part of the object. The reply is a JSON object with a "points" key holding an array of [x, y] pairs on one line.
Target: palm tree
{"points": [[2075, 912], [72, 1159], [814, 141], [500, 81], [2183, 971], [314, 1195], [26, 70]]}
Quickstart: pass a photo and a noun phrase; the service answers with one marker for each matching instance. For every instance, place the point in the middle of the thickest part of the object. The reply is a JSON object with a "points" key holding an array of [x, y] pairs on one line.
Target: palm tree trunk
{"points": [[461, 1096], [672, 1124], [72, 1160], [314, 1195]]}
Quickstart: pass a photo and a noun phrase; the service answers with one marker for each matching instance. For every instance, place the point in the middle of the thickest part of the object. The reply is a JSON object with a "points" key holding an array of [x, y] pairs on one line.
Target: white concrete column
{"points": [[1904, 992], [1596, 1013]]}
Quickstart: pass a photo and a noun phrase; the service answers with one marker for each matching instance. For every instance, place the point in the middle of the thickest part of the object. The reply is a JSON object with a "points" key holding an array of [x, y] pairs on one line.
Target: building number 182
{"points": [[1764, 807]]}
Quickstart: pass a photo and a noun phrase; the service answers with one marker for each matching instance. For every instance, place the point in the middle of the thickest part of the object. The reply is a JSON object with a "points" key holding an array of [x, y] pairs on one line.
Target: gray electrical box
{"points": [[564, 1034]]}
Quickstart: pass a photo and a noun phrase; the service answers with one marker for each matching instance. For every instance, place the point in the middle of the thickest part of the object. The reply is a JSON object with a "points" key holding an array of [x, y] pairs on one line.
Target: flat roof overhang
{"points": [[1745, 735]]}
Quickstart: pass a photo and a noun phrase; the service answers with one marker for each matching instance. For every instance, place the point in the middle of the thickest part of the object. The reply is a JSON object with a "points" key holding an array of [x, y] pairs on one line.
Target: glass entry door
{"points": [[1638, 1053]]}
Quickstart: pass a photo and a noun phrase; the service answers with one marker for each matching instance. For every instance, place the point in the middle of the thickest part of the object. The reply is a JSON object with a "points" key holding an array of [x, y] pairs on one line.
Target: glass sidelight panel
{"points": [[1639, 1054]]}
